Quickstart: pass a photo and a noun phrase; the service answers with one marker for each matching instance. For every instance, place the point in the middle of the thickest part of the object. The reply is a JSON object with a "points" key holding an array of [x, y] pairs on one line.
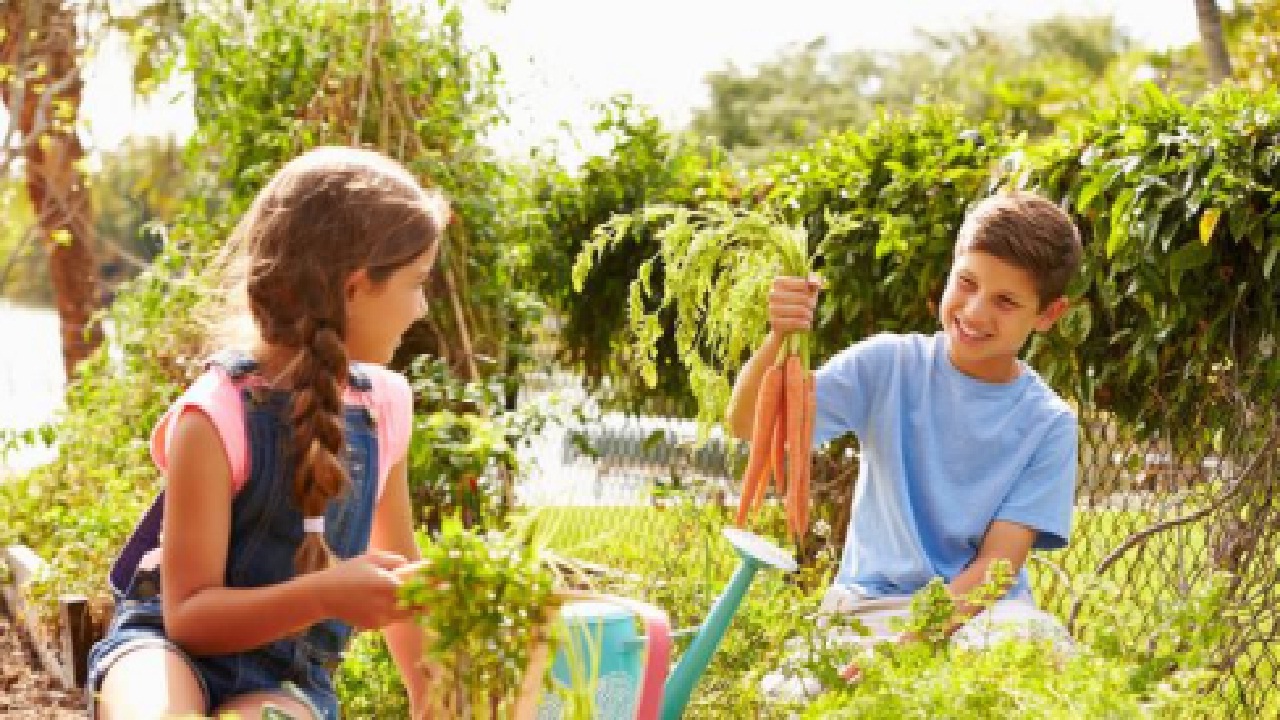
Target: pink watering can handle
{"points": [[657, 630]]}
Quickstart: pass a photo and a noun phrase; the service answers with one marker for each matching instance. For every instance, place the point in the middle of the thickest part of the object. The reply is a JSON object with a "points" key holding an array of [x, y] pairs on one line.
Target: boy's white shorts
{"points": [[1007, 618]]}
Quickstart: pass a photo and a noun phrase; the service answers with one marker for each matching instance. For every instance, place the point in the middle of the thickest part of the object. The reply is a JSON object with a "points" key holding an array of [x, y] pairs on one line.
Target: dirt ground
{"points": [[26, 692]]}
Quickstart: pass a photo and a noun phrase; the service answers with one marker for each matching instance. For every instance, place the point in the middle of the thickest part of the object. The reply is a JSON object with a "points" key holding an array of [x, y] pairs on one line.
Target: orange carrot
{"points": [[762, 486], [761, 433], [793, 380], [773, 466], [779, 448], [810, 413]]}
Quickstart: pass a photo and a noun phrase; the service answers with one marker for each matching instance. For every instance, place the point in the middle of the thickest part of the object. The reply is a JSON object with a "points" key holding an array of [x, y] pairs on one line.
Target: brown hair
{"points": [[324, 215], [1029, 232]]}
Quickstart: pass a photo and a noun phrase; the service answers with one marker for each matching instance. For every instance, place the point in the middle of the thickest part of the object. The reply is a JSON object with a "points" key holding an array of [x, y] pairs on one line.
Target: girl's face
{"points": [[378, 314]]}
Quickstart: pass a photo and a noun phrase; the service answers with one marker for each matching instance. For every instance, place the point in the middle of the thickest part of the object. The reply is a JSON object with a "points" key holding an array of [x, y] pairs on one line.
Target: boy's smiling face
{"points": [[988, 310]]}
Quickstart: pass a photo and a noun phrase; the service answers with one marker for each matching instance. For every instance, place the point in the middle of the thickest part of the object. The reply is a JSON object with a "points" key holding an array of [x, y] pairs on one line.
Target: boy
{"points": [[967, 455]]}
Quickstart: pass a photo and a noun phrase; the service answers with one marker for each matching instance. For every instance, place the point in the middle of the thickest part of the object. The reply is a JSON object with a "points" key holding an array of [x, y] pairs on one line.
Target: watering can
{"points": [[629, 673]]}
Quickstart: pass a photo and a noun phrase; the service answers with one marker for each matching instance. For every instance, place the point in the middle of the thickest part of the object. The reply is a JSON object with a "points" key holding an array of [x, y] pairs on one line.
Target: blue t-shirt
{"points": [[943, 455]]}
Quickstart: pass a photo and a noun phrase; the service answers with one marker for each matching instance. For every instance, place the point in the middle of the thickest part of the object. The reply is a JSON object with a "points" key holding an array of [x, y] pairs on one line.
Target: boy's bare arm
{"points": [[1004, 541], [742, 404]]}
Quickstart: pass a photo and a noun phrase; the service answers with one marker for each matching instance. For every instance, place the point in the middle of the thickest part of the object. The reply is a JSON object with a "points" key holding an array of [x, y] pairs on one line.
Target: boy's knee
{"points": [[1013, 620]]}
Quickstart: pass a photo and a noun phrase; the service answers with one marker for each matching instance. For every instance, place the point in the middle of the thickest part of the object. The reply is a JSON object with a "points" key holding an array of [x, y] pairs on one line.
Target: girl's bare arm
{"points": [[393, 532]]}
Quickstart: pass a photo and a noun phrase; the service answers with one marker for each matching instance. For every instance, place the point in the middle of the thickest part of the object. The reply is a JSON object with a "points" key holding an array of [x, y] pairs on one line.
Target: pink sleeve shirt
{"points": [[217, 396]]}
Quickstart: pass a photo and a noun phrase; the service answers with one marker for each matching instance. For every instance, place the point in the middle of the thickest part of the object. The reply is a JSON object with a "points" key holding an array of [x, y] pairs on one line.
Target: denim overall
{"points": [[266, 529]]}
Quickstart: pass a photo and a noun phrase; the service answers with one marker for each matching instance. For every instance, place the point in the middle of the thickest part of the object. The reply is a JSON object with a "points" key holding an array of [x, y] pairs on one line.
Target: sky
{"points": [[560, 57]]}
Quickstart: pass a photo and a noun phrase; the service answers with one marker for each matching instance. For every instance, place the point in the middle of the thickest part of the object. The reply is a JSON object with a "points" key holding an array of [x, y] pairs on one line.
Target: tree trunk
{"points": [[40, 48], [1215, 46]]}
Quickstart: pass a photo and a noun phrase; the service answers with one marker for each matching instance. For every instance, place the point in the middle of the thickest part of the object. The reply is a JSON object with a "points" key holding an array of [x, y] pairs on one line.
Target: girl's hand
{"points": [[364, 591], [791, 303]]}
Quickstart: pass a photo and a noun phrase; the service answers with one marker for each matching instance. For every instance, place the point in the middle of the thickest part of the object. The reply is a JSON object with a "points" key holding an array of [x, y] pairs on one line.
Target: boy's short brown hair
{"points": [[1028, 231]]}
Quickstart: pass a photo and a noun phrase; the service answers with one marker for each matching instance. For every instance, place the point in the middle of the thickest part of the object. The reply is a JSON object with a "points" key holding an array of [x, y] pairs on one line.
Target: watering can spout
{"points": [[755, 552]]}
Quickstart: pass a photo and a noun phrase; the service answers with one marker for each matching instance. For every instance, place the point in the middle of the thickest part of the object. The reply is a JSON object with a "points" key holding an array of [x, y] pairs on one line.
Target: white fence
{"points": [[615, 458]]}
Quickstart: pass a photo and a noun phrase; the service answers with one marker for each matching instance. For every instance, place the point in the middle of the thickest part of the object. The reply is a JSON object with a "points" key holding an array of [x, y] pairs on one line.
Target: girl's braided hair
{"points": [[323, 216]]}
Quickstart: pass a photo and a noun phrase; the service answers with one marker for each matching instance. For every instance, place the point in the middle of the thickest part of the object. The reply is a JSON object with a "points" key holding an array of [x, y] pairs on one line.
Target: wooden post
{"points": [[77, 636]]}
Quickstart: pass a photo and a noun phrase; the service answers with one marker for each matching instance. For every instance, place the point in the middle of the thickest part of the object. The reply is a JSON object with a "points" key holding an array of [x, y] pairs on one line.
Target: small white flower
{"points": [[1266, 345], [822, 528]]}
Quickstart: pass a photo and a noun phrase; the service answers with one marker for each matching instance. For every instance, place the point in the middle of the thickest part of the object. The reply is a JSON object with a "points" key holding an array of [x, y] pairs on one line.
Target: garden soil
{"points": [[25, 692]]}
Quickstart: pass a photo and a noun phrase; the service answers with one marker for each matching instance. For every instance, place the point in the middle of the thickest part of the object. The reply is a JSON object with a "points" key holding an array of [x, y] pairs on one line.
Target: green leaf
{"points": [[1190, 256], [1119, 221], [1099, 182], [1271, 260]]}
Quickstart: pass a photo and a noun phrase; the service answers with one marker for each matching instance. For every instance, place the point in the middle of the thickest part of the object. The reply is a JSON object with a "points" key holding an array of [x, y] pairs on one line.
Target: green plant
{"points": [[368, 683], [1176, 300], [487, 605], [463, 451], [457, 464]]}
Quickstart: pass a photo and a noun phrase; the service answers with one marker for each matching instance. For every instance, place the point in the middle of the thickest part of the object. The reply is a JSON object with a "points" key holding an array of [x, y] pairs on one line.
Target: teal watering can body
{"points": [[630, 670], [622, 670]]}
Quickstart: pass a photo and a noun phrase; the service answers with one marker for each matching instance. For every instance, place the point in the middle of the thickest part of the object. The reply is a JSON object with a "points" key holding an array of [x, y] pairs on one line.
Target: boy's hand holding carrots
{"points": [[792, 301], [785, 406]]}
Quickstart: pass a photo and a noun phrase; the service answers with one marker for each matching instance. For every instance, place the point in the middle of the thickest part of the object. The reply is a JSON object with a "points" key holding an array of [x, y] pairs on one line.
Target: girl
{"points": [[286, 518]]}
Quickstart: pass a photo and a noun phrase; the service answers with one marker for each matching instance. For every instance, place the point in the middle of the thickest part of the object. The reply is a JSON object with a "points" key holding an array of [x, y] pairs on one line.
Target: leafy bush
{"points": [[1166, 194], [1177, 301], [648, 164], [367, 682]]}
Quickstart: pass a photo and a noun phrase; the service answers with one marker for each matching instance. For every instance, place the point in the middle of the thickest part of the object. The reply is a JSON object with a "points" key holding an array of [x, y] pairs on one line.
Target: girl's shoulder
{"points": [[214, 394]]}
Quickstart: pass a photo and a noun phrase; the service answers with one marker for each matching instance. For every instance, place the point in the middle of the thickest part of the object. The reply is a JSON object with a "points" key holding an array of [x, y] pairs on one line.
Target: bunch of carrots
{"points": [[781, 435]]}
